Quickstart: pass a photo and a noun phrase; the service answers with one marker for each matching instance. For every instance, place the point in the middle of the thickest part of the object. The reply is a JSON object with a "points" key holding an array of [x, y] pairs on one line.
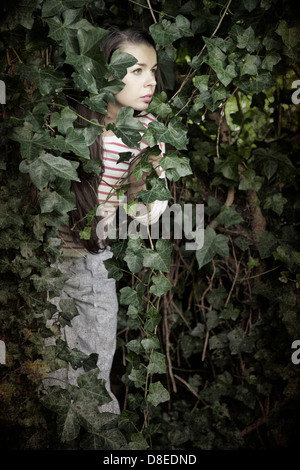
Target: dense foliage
{"points": [[204, 357]]}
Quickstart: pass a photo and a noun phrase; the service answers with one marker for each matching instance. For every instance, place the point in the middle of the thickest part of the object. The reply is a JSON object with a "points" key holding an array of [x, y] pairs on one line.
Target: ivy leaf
{"points": [[250, 5], [119, 63], [226, 74], [48, 166], [60, 167], [157, 364], [47, 79], [157, 192], [104, 439], [213, 244], [67, 311], [90, 63], [50, 280], [275, 202], [150, 342], [153, 317], [59, 401], [247, 40], [129, 296], [113, 267], [93, 388], [65, 29], [56, 7], [228, 167], [229, 216], [289, 36], [53, 201], [159, 107], [31, 143], [270, 61], [166, 32], [63, 120], [157, 394], [251, 181], [127, 127], [160, 257], [267, 244], [161, 285], [175, 166], [249, 65], [134, 258], [174, 134], [230, 313], [74, 142]]}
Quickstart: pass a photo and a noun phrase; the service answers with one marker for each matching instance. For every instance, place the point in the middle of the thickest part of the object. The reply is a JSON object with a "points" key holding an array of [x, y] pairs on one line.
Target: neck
{"points": [[112, 111]]}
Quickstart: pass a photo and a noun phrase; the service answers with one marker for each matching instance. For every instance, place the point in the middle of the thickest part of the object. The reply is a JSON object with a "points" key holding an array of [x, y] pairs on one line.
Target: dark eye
{"points": [[137, 71]]}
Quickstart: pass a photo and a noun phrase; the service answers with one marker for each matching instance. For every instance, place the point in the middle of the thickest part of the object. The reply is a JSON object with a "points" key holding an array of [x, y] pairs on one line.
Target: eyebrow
{"points": [[144, 65]]}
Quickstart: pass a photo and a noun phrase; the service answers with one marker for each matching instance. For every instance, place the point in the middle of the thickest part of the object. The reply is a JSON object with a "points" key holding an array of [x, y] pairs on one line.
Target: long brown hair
{"points": [[86, 191]]}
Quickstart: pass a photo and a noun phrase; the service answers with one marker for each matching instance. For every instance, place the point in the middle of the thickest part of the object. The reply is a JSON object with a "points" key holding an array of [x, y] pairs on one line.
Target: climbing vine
{"points": [[204, 335]]}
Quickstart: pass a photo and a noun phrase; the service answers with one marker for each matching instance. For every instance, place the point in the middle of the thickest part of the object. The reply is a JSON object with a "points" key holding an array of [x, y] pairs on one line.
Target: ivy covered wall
{"points": [[208, 339]]}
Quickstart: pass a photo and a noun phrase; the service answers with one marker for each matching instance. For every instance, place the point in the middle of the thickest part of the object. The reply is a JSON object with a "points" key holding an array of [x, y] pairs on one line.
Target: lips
{"points": [[147, 98]]}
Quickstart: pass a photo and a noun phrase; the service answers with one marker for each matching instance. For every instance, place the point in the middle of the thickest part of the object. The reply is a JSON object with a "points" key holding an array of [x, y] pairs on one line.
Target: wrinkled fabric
{"points": [[94, 329]]}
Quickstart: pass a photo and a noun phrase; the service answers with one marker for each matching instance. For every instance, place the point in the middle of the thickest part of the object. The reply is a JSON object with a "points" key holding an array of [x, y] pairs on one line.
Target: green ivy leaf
{"points": [[49, 280], [119, 63], [159, 107], [251, 181], [165, 32], [157, 394], [267, 244], [275, 202], [249, 65], [229, 216], [213, 244], [47, 79], [157, 364], [153, 318], [150, 342], [174, 133], [114, 268], [130, 296], [246, 39], [63, 120], [175, 166], [31, 144], [250, 5], [127, 127], [74, 142], [160, 257], [161, 285], [134, 257], [289, 35], [157, 192]]}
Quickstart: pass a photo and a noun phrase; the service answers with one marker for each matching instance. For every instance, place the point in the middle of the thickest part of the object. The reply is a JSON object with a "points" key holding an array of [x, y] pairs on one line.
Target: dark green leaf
{"points": [[213, 244], [160, 257]]}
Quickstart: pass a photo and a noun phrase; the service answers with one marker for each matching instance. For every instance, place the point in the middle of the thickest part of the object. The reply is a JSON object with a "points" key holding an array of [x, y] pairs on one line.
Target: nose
{"points": [[150, 79]]}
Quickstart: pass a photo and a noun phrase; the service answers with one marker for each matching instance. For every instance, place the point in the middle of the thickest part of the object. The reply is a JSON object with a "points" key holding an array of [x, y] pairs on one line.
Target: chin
{"points": [[141, 107]]}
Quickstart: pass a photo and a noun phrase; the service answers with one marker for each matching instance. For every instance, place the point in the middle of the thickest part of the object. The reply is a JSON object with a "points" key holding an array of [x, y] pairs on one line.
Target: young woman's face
{"points": [[140, 81]]}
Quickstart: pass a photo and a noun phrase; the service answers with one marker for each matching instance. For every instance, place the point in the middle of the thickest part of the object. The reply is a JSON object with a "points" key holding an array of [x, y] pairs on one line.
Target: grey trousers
{"points": [[94, 329]]}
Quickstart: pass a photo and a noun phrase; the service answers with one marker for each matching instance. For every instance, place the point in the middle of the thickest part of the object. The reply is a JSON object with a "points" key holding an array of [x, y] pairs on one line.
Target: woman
{"points": [[94, 329]]}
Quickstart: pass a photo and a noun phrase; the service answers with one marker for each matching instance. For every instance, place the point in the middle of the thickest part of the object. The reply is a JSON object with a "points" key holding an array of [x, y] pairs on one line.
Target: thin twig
{"points": [[151, 10], [155, 11]]}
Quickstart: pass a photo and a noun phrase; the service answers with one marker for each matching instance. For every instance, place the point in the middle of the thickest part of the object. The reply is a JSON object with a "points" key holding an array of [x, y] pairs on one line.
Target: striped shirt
{"points": [[109, 198]]}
